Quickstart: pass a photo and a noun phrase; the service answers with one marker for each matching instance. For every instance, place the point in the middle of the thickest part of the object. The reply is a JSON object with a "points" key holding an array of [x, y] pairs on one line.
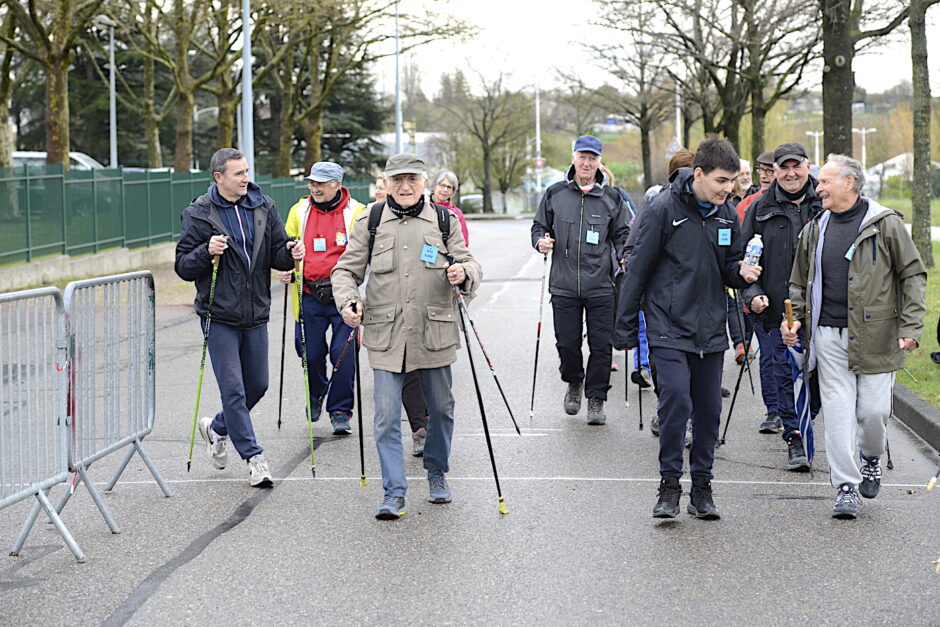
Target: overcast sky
{"points": [[528, 39]]}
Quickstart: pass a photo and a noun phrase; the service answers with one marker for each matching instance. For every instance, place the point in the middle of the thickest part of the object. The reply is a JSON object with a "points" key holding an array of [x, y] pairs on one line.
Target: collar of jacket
{"points": [[780, 196], [428, 214], [600, 181], [679, 185]]}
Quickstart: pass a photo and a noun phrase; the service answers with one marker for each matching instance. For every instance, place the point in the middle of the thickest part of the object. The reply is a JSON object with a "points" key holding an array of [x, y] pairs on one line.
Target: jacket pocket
{"points": [[383, 254], [880, 329], [440, 331], [438, 243], [564, 228], [599, 226], [378, 325]]}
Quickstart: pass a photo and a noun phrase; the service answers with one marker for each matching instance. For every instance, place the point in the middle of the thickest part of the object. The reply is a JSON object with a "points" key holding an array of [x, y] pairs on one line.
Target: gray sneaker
{"points": [[871, 476], [392, 508], [595, 412], [418, 439], [573, 398], [340, 421], [847, 502], [215, 443], [772, 424], [258, 474], [439, 492]]}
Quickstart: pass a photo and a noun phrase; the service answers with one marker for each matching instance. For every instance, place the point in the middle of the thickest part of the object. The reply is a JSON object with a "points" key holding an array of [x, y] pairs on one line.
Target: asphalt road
{"points": [[578, 547]]}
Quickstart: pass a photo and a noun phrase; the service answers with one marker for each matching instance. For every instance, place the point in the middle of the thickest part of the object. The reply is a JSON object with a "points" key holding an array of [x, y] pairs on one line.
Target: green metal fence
{"points": [[45, 210]]}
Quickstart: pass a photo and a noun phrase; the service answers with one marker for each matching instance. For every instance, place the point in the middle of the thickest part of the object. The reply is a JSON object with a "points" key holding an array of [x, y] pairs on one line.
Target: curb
{"points": [[922, 417]]}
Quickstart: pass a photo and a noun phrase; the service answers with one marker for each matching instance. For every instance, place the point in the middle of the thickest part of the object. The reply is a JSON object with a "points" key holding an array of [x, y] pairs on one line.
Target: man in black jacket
{"points": [[779, 216], [688, 248], [582, 221], [237, 223]]}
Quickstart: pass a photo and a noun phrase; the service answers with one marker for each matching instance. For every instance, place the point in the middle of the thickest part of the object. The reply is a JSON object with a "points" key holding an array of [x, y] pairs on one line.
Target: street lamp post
{"points": [[248, 113], [105, 22], [398, 122], [815, 135], [864, 132], [539, 162]]}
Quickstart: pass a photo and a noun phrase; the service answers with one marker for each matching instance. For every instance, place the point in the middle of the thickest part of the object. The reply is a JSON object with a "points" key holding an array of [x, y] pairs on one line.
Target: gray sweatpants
{"points": [[856, 406]]}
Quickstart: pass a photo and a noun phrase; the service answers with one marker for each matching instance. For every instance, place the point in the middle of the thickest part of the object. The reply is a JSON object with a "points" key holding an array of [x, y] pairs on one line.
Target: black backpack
{"points": [[443, 224]]}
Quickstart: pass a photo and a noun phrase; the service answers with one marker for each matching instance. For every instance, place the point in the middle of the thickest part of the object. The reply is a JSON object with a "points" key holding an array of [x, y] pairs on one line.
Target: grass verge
{"points": [[918, 362]]}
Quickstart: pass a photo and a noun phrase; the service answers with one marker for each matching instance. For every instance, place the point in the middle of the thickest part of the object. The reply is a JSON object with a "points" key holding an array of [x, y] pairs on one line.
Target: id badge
{"points": [[319, 244], [593, 237], [850, 253], [340, 238], [724, 237], [428, 254]]}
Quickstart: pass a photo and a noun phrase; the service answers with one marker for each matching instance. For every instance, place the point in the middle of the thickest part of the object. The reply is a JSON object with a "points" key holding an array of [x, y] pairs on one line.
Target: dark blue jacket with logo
{"points": [[580, 268], [679, 269]]}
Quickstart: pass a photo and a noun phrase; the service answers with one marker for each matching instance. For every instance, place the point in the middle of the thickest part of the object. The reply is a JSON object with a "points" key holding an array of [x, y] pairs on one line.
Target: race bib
{"points": [[319, 244], [593, 237], [724, 237], [428, 253], [850, 252], [340, 238]]}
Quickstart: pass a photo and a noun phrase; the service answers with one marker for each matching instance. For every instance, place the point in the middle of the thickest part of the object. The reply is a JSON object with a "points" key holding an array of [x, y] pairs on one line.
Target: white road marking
{"points": [[508, 285]]}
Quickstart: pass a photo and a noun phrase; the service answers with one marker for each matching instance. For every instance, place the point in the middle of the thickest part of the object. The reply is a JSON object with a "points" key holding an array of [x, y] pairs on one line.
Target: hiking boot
{"points": [[340, 420], [701, 504], [739, 353], [796, 459], [668, 504], [654, 426], [258, 474], [725, 392], [317, 408], [847, 502], [595, 412], [871, 476], [417, 442], [640, 378], [688, 434], [772, 424], [392, 508], [215, 443], [573, 398], [439, 492]]}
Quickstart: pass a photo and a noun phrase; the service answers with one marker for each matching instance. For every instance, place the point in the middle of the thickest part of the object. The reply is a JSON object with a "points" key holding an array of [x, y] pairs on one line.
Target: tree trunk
{"points": [[646, 151], [227, 103], [920, 196], [758, 115], [57, 109], [838, 84], [184, 132], [313, 129], [731, 128], [487, 183], [151, 119], [283, 114]]}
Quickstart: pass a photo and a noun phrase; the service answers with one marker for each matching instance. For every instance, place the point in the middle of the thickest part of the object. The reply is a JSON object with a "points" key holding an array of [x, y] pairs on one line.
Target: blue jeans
{"points": [[768, 385], [641, 355], [318, 318], [240, 363], [436, 384]]}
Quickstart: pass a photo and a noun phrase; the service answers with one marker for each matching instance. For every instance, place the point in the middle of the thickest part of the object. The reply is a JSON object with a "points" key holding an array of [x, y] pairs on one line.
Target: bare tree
{"points": [[578, 107], [920, 196]]}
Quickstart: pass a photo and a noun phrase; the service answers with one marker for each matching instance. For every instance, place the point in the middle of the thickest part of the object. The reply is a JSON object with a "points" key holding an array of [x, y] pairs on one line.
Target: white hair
{"points": [[849, 167]]}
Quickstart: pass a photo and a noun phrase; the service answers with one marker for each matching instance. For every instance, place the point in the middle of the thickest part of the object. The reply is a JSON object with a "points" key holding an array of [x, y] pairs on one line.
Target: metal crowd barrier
{"points": [[111, 397], [33, 426]]}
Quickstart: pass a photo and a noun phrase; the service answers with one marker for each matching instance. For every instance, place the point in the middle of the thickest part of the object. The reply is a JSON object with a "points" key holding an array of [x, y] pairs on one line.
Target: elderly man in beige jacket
{"points": [[409, 317]]}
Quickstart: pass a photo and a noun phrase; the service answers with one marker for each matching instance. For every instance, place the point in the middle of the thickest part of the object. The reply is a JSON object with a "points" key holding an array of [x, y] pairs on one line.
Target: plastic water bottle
{"points": [[754, 249]]}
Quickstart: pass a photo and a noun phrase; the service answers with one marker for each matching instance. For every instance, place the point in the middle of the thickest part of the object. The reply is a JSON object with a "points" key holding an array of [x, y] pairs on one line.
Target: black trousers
{"points": [[569, 315], [412, 397]]}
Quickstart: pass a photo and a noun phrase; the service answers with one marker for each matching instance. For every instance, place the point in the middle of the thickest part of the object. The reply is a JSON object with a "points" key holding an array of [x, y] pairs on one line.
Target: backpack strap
{"points": [[443, 225], [375, 215]]}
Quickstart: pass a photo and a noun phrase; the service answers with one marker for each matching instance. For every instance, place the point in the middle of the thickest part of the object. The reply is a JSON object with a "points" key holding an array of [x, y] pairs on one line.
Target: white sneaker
{"points": [[258, 474], [215, 443]]}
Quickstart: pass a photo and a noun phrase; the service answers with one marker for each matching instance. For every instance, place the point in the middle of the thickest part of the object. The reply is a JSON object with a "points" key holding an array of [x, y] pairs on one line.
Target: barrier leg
{"points": [[64, 499], [96, 497], [60, 526], [27, 527], [120, 468], [148, 461]]}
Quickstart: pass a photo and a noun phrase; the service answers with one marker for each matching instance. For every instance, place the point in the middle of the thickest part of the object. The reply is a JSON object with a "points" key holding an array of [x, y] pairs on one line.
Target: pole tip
{"points": [[502, 507], [362, 481], [931, 484], [188, 464], [313, 471], [641, 427]]}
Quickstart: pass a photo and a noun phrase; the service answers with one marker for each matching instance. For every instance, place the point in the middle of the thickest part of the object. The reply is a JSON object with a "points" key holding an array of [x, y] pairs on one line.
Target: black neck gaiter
{"points": [[794, 196], [402, 212], [329, 205]]}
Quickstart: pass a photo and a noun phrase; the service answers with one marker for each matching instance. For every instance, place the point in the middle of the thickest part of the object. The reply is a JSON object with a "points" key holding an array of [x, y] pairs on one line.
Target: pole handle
{"points": [[215, 260], [788, 305]]}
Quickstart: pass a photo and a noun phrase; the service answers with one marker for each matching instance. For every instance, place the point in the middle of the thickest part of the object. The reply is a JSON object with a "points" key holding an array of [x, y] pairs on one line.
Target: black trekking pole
{"points": [[202, 362], [739, 312], [362, 455], [280, 392], [303, 359], [639, 388], [890, 464], [462, 306], [538, 336], [734, 397], [486, 429], [342, 354]]}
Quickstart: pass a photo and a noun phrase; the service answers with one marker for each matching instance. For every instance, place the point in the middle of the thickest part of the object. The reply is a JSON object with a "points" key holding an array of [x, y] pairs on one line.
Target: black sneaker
{"points": [[871, 477], [725, 392], [639, 378], [847, 502], [573, 398], [701, 504], [796, 456], [772, 424], [317, 408], [668, 504], [595, 412], [654, 426]]}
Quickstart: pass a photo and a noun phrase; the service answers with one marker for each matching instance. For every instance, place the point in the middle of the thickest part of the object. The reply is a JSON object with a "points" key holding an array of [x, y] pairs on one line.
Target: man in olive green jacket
{"points": [[859, 282], [409, 319]]}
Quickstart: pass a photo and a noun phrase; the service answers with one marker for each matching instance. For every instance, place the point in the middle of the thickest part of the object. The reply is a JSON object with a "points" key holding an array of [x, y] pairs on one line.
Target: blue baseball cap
{"points": [[587, 143], [324, 171]]}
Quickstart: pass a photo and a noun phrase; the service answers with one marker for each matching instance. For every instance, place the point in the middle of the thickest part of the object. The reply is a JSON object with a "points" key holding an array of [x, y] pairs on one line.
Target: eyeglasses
{"points": [[411, 179], [323, 183], [767, 171], [446, 186]]}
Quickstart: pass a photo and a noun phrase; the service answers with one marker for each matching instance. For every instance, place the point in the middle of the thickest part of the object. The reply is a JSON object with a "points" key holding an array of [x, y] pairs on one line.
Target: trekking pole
{"points": [[890, 464], [349, 340], [933, 481], [739, 312], [280, 392], [734, 397], [303, 359], [486, 429], [362, 455], [639, 390], [202, 362], [626, 378], [463, 309], [538, 336]]}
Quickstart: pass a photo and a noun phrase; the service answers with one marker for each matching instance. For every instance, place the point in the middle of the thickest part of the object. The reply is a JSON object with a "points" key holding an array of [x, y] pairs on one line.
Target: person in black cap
{"points": [[582, 222], [778, 217]]}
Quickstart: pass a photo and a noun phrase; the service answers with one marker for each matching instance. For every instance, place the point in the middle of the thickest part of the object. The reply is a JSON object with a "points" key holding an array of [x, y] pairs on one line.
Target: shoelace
{"points": [[872, 471], [847, 495], [259, 466], [437, 481]]}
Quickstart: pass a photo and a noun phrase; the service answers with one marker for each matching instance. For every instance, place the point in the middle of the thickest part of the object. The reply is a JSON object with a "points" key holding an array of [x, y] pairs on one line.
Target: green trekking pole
{"points": [[202, 362], [303, 358]]}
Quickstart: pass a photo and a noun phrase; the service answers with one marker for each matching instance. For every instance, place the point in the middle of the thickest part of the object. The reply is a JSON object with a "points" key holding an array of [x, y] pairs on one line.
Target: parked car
{"points": [[77, 160], [471, 203]]}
